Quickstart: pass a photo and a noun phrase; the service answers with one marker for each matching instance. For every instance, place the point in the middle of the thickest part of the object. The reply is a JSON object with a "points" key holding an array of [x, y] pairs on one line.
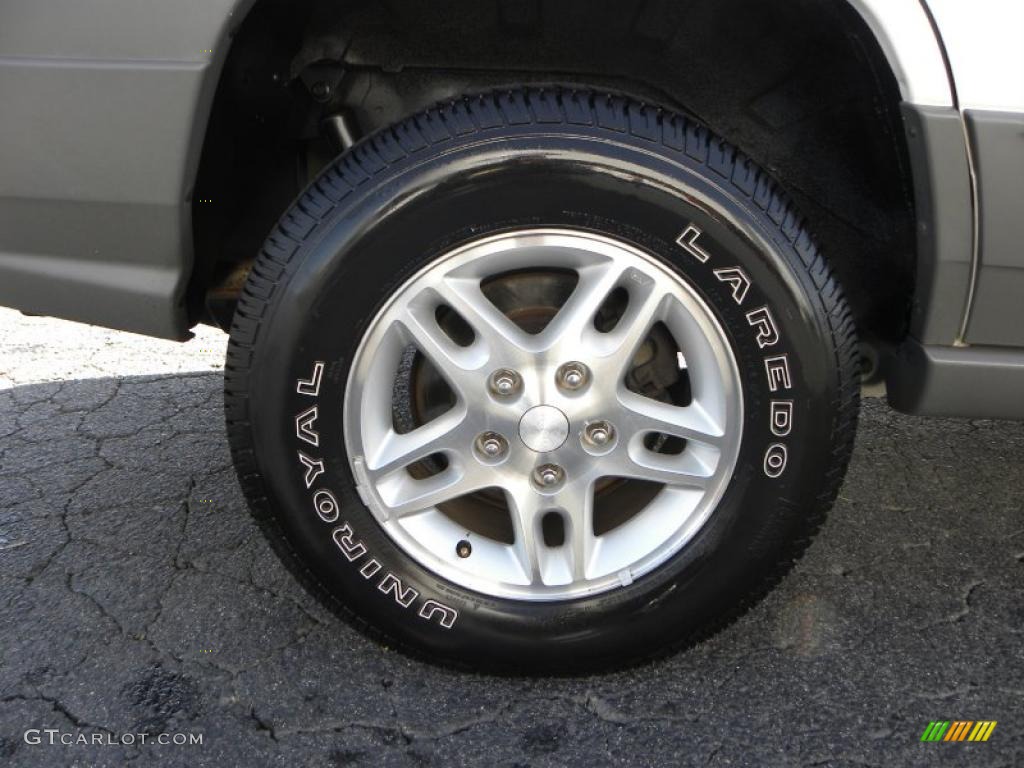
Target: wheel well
{"points": [[800, 85]]}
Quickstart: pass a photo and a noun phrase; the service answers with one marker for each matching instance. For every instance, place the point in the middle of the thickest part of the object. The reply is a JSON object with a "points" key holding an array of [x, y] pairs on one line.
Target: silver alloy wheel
{"points": [[543, 454]]}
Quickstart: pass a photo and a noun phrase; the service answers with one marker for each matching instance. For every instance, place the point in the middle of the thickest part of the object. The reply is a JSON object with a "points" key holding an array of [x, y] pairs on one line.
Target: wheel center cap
{"points": [[543, 428]]}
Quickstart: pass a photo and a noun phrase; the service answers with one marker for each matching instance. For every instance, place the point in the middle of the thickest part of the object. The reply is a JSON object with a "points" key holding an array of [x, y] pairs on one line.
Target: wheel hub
{"points": [[543, 428]]}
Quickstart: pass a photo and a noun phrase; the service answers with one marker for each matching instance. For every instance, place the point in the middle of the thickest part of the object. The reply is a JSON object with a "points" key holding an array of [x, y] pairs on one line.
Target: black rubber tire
{"points": [[551, 157]]}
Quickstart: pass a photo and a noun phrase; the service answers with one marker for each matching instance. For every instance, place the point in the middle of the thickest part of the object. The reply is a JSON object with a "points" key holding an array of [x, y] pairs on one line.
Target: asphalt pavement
{"points": [[136, 596]]}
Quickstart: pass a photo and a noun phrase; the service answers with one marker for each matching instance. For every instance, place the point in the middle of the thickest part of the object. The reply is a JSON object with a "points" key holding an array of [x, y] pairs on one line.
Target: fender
{"points": [[905, 34], [982, 44], [116, 171]]}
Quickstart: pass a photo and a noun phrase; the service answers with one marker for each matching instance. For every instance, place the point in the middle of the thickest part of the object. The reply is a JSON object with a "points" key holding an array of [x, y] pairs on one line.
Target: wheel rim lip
{"points": [[406, 540]]}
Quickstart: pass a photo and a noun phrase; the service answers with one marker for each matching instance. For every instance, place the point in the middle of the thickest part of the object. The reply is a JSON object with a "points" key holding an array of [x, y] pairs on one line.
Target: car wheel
{"points": [[541, 380]]}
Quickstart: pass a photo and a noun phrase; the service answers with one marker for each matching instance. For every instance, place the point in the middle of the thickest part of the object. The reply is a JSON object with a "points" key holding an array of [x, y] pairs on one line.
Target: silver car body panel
{"points": [[105, 108], [981, 38], [981, 42]]}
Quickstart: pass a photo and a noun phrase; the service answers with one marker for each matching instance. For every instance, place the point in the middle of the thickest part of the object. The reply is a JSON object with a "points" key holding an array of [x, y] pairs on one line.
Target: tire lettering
{"points": [[738, 279], [403, 595], [781, 417], [314, 468], [688, 240], [344, 538], [761, 319], [304, 423], [778, 372], [327, 508], [370, 568], [775, 460], [311, 386], [767, 335], [432, 608], [326, 505]]}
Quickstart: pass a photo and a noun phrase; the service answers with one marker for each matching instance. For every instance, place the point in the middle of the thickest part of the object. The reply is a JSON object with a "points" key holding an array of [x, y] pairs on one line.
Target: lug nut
{"points": [[491, 445], [505, 382], [599, 433], [572, 376], [463, 549], [548, 475]]}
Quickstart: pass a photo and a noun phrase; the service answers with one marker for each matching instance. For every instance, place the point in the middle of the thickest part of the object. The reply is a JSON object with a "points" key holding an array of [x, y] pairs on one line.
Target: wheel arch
{"points": [[901, 58], [904, 32]]}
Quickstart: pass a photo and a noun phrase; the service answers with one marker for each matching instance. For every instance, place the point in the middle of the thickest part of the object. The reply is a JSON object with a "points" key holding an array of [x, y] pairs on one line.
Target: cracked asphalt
{"points": [[137, 596]]}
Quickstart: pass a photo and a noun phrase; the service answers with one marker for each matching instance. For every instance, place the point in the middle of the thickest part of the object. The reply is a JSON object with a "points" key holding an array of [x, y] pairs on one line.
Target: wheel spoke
{"points": [[444, 434], [581, 534], [490, 325], [691, 422], [693, 467], [527, 506], [576, 315], [645, 308], [404, 495], [461, 366], [687, 469]]}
